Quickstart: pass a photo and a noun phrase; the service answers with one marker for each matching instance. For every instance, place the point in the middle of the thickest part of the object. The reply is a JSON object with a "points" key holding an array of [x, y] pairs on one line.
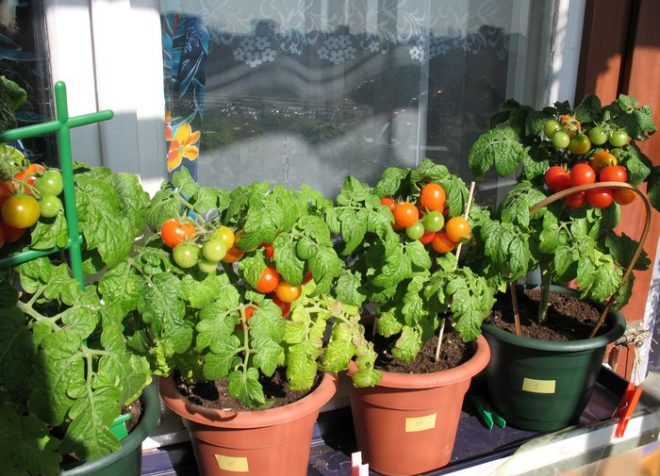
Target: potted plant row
{"points": [[68, 369], [579, 172]]}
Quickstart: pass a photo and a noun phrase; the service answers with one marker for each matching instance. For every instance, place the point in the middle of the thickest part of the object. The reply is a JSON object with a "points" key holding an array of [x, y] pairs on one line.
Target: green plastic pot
{"points": [[127, 461], [543, 385]]}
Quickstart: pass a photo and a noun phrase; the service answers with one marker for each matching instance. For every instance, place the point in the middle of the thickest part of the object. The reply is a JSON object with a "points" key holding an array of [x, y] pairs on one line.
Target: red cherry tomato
{"points": [[442, 244], [175, 231], [268, 281], [575, 200], [556, 178], [284, 306], [613, 173], [12, 233], [600, 197], [427, 237], [582, 174], [388, 202], [624, 196], [268, 250], [308, 277]]}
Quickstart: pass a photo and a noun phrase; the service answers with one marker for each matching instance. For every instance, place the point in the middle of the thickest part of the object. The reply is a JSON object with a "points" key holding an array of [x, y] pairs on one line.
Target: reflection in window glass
{"points": [[309, 91], [24, 60]]}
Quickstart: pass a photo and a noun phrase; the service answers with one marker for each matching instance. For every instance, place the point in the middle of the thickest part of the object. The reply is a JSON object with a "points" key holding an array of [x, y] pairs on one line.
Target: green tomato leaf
{"points": [[17, 354], [390, 181], [408, 344], [165, 204], [301, 367], [499, 147], [349, 289], [268, 355], [199, 293], [219, 362]]}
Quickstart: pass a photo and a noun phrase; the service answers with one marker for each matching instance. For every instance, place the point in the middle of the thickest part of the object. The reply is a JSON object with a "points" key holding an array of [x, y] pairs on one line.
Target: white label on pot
{"points": [[538, 386], [232, 463], [421, 423]]}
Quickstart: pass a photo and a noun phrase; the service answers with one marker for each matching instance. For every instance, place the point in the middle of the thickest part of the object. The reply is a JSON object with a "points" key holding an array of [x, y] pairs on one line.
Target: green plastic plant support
{"points": [[61, 126], [118, 427]]}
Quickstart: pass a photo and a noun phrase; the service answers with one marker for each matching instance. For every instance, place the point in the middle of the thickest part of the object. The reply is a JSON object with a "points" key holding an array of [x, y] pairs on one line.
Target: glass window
{"points": [[24, 60], [309, 91]]}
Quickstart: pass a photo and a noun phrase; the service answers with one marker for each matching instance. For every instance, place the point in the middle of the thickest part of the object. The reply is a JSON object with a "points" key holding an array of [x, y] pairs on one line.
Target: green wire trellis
{"points": [[61, 126]]}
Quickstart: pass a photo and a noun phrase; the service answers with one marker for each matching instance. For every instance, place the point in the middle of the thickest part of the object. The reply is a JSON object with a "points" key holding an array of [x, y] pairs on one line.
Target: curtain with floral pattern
{"points": [[309, 91]]}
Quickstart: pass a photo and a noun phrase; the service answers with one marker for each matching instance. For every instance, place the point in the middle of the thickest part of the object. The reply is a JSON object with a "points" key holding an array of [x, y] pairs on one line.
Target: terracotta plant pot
{"points": [[274, 442], [127, 461], [544, 385], [407, 423]]}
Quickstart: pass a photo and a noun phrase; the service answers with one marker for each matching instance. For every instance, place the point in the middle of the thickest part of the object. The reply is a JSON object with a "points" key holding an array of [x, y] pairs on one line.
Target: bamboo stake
{"points": [[458, 255], [438, 347], [516, 310]]}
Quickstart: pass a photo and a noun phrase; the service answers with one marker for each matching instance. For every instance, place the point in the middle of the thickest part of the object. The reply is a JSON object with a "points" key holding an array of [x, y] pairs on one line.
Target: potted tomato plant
{"points": [[240, 320], [579, 168], [68, 371], [403, 272]]}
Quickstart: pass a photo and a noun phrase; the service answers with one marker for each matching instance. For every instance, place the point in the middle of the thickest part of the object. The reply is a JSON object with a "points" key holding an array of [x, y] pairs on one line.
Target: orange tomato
{"points": [[458, 229], [405, 214], [442, 244], [432, 196]]}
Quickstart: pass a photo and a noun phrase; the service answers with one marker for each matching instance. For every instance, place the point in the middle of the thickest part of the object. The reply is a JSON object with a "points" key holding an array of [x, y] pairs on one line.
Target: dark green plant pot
{"points": [[127, 461], [543, 385]]}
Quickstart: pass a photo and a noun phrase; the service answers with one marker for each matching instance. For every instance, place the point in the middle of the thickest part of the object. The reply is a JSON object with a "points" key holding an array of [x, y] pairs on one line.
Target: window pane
{"points": [[24, 60], [309, 91]]}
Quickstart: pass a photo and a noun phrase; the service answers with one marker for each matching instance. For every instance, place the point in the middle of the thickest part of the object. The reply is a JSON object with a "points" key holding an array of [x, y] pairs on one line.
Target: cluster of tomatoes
{"points": [[602, 164], [425, 220], [30, 194], [192, 246], [567, 134]]}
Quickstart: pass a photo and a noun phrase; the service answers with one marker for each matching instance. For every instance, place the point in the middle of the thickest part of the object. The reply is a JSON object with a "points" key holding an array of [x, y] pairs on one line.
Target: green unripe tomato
{"points": [[579, 144], [560, 139], [433, 221], [49, 206], [415, 231], [186, 255], [214, 250], [550, 127], [598, 136], [206, 266], [50, 183], [619, 138]]}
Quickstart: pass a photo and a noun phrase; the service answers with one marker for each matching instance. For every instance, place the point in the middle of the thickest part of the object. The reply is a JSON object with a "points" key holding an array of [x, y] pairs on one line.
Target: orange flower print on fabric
{"points": [[168, 127], [182, 145]]}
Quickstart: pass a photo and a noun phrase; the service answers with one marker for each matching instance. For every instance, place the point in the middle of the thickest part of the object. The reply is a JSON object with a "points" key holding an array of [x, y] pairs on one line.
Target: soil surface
{"points": [[569, 318], [135, 409], [453, 353], [216, 395]]}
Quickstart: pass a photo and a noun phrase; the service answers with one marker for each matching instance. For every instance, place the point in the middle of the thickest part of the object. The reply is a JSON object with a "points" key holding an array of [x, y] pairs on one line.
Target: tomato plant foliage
{"points": [[411, 287], [566, 244], [217, 325]]}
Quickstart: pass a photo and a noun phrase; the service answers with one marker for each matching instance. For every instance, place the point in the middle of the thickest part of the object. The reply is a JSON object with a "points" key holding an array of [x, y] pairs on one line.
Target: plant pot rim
{"points": [[246, 419], [618, 328], [145, 426], [468, 369]]}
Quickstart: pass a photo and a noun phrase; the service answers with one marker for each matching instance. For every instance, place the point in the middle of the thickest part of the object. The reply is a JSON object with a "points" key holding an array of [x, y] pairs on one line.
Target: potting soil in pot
{"points": [[216, 394], [454, 352], [569, 318]]}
